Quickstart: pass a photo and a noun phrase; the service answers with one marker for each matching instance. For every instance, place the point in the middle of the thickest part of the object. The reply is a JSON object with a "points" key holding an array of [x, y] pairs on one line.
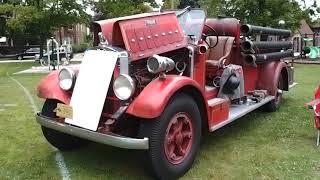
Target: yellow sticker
{"points": [[64, 111]]}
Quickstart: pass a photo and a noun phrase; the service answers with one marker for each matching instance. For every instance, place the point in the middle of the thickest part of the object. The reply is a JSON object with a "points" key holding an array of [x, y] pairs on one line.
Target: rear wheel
{"points": [[174, 138], [275, 104], [57, 139]]}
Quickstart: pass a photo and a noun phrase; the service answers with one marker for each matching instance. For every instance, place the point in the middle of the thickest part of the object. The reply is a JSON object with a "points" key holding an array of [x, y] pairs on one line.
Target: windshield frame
{"points": [[187, 20]]}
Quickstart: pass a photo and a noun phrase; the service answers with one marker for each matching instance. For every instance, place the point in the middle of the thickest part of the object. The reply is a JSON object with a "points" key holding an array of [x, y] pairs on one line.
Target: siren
{"points": [[158, 64]]}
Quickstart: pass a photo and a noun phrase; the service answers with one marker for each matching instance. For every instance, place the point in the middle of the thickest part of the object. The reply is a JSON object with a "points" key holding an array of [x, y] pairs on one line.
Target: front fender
{"points": [[151, 102], [268, 76], [49, 88]]}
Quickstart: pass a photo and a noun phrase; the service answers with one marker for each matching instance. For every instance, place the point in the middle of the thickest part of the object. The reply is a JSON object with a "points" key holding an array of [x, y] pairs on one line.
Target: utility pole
{"points": [[172, 4]]}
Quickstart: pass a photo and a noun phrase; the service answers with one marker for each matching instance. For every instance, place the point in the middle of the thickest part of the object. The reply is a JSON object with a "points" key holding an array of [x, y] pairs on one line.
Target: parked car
{"points": [[29, 53]]}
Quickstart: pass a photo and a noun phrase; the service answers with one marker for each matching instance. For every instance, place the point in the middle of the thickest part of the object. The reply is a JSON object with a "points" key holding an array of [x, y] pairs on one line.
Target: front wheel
{"points": [[58, 139], [174, 138]]}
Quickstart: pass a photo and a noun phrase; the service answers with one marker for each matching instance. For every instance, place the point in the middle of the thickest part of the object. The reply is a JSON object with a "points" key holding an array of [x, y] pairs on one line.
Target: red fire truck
{"points": [[159, 81]]}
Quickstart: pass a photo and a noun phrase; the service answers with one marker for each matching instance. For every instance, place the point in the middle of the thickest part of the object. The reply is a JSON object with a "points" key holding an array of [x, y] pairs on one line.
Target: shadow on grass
{"points": [[102, 161], [99, 160]]}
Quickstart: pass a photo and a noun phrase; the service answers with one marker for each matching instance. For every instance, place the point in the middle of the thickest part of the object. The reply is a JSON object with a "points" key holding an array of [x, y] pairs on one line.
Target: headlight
{"points": [[66, 79], [124, 87]]}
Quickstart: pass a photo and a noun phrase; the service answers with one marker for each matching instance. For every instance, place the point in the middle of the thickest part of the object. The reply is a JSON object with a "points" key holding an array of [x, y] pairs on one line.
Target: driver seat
{"points": [[219, 55]]}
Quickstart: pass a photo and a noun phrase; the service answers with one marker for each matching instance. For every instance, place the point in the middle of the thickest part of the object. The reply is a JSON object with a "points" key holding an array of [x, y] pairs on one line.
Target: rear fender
{"points": [[151, 102], [49, 88], [268, 76]]}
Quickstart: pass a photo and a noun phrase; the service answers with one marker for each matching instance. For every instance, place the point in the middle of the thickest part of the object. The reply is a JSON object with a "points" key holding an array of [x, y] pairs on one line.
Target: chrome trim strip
{"points": [[237, 111], [108, 139], [124, 62], [191, 56]]}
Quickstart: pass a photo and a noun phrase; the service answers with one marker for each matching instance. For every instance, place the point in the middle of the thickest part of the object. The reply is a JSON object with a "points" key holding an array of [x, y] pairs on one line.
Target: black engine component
{"points": [[231, 84]]}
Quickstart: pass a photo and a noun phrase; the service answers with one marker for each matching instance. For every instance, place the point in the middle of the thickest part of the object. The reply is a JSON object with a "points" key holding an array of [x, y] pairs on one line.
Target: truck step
{"points": [[237, 111]]}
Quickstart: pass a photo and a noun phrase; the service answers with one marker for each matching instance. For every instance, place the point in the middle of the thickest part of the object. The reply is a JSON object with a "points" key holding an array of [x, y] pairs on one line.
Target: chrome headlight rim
{"points": [[132, 87], [72, 75]]}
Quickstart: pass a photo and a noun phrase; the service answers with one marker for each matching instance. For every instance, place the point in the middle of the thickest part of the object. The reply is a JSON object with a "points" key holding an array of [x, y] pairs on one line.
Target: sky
{"points": [[308, 2], [159, 1]]}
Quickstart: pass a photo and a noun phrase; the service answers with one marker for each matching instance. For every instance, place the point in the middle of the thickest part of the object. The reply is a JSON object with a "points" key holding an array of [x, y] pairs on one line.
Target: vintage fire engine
{"points": [[159, 81]]}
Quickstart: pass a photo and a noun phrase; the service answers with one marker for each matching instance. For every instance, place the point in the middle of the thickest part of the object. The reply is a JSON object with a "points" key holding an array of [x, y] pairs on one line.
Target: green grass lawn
{"points": [[278, 145]]}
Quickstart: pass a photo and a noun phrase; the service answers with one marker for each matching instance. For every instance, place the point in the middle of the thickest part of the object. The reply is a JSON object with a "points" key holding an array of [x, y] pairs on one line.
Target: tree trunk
{"points": [[42, 40], [60, 36]]}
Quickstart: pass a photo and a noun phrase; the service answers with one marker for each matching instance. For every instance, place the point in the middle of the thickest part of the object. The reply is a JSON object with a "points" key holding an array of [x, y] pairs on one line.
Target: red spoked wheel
{"points": [[179, 137], [174, 138]]}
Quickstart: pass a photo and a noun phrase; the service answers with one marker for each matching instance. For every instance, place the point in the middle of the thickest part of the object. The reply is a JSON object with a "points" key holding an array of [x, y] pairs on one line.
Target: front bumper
{"points": [[108, 139]]}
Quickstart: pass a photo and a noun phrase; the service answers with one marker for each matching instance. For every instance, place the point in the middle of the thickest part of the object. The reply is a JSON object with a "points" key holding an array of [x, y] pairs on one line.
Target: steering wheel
{"points": [[213, 33]]}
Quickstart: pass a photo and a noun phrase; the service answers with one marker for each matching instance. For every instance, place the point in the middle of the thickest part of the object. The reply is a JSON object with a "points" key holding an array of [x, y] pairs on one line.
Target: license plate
{"points": [[64, 111]]}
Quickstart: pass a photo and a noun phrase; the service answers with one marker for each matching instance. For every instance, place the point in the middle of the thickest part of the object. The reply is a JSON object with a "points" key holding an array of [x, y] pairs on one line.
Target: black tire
{"points": [[63, 142], [156, 160], [274, 105]]}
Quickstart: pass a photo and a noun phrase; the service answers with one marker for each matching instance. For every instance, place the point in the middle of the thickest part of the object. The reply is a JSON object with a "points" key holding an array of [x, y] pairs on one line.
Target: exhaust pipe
{"points": [[254, 59], [250, 59], [248, 29], [248, 45], [202, 49]]}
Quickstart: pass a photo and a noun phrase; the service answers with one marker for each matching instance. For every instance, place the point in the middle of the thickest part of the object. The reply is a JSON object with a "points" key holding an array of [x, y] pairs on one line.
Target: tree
{"points": [[107, 9], [15, 19], [258, 12], [167, 4], [4, 13], [213, 7], [186, 3], [39, 18], [313, 11]]}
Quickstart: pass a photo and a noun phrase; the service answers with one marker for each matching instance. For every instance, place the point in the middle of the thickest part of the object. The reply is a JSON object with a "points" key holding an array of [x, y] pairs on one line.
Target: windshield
{"points": [[192, 23]]}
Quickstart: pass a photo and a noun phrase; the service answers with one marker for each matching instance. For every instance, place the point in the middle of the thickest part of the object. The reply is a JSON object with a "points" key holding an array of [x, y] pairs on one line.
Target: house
{"points": [[74, 34], [316, 30], [302, 37]]}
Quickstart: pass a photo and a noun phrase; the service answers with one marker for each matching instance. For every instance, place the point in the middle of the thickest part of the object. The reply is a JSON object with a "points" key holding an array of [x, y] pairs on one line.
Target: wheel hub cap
{"points": [[178, 138]]}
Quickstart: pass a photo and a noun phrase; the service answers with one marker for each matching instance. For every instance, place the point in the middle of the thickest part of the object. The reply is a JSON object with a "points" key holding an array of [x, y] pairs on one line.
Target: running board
{"points": [[237, 111]]}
